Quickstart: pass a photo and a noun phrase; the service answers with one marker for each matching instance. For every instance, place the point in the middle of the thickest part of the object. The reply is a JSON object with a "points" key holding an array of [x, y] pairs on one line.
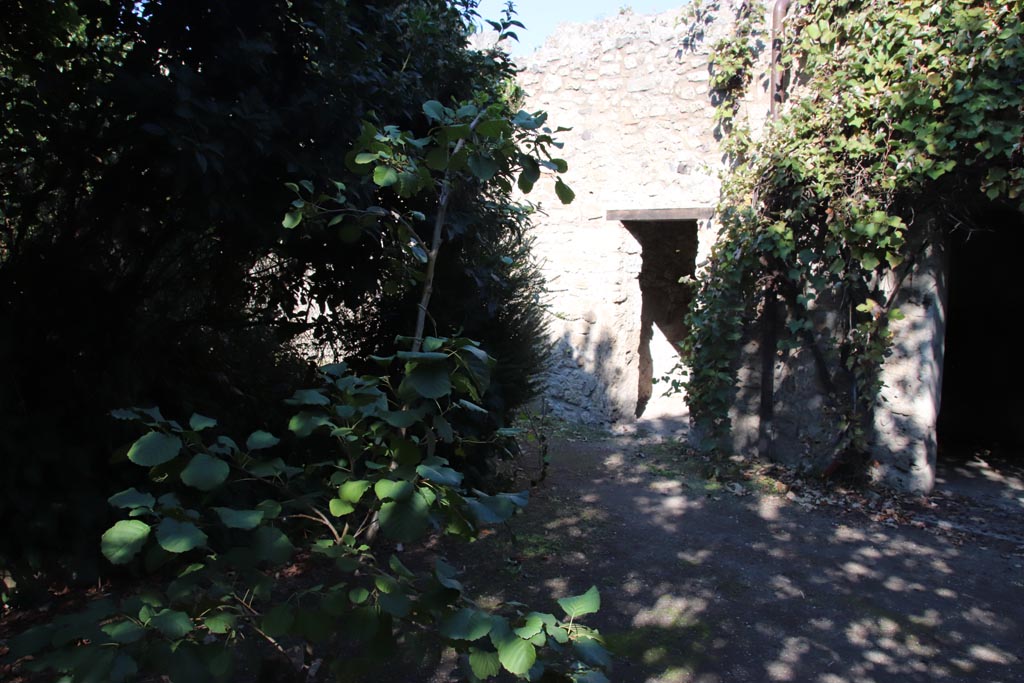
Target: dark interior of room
{"points": [[983, 376]]}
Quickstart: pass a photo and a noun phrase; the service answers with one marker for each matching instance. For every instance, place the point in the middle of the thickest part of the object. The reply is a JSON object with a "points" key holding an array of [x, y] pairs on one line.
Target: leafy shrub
{"points": [[144, 157], [906, 117], [220, 522]]}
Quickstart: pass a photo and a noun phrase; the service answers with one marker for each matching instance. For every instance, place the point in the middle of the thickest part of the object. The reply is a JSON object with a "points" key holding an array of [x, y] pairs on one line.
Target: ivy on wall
{"points": [[898, 110]]}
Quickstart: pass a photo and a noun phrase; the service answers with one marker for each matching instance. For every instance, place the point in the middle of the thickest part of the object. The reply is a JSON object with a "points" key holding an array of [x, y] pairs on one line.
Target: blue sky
{"points": [[541, 16]]}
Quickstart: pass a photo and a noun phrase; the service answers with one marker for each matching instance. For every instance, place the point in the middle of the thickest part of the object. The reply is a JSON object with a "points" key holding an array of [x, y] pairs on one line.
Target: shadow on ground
{"points": [[702, 585]]}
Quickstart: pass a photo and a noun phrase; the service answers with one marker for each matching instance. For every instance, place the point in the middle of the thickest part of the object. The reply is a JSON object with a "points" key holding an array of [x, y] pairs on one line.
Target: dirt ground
{"points": [[741, 572], [748, 574]]}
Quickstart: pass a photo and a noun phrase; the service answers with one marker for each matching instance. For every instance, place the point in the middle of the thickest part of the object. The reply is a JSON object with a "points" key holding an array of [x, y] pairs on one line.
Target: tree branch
{"points": [[435, 245]]}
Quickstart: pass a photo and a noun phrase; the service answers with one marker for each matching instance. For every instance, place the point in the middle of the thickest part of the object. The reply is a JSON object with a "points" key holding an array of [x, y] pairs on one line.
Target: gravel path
{"points": [[748, 580]]}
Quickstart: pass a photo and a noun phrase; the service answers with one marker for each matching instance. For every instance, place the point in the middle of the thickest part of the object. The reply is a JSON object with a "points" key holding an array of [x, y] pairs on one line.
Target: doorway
{"points": [[669, 256], [983, 377]]}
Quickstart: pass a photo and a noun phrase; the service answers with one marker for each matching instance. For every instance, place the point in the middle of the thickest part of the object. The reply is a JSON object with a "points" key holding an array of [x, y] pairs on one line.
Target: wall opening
{"points": [[669, 254], [982, 402]]}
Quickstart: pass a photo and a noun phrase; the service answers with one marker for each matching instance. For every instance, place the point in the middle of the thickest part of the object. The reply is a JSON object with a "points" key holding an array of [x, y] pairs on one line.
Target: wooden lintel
{"points": [[694, 213]]}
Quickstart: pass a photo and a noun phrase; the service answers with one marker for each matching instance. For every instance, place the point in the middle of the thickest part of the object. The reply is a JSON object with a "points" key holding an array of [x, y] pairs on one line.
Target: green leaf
{"points": [[577, 606], [524, 119], [440, 475], [267, 468], [434, 110], [484, 664], [405, 521], [225, 446], [291, 219], [400, 569], [466, 624], [366, 157], [385, 583], [443, 429], [154, 448], [198, 423], [869, 261], [564, 192], [429, 380], [446, 574], [31, 641], [352, 491], [493, 128], [408, 184], [305, 423], [123, 541], [516, 655], [221, 622], [124, 632], [592, 652], [272, 545], [433, 343], [271, 509], [358, 595], [124, 668], [179, 537], [560, 635], [403, 419], [385, 176], [173, 624], [396, 604], [457, 132], [534, 624], [204, 472], [389, 489], [308, 397], [239, 519], [260, 439], [495, 509], [529, 175], [168, 501], [340, 507], [482, 167], [131, 499], [437, 159]]}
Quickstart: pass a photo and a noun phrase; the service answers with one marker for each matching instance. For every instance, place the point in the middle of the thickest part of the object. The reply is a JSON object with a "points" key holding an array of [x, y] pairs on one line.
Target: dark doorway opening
{"points": [[669, 258], [983, 376]]}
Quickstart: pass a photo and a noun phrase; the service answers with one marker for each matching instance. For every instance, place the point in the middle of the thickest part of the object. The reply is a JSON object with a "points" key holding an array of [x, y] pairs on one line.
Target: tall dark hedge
{"points": [[144, 151]]}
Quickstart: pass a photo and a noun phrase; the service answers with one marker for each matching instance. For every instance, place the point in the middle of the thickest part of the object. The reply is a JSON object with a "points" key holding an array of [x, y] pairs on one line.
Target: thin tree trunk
{"points": [[435, 246]]}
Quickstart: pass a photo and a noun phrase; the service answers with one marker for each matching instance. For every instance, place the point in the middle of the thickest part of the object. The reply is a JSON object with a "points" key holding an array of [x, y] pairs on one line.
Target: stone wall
{"points": [[642, 138], [907, 410]]}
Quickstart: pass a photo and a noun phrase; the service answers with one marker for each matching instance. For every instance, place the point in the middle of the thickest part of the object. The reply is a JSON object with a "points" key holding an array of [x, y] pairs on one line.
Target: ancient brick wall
{"points": [[642, 137]]}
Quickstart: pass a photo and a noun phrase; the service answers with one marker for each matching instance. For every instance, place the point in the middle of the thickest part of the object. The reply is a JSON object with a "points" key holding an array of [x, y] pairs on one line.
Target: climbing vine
{"points": [[902, 117]]}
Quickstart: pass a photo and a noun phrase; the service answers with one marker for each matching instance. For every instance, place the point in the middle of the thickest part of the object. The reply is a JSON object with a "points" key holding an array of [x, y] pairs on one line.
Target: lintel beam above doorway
{"points": [[694, 213]]}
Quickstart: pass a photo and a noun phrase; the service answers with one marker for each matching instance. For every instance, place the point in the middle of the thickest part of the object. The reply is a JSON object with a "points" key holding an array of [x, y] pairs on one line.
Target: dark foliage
{"points": [[144, 150]]}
